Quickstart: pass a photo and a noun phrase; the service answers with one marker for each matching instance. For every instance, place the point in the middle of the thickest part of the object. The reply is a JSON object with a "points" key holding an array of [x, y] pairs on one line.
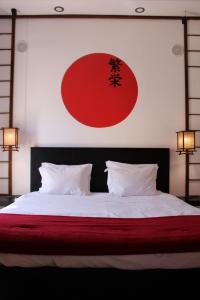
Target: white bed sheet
{"points": [[103, 205]]}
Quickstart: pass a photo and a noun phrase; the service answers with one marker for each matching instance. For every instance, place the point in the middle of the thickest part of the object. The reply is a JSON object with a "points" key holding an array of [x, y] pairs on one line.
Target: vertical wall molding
{"points": [[188, 98], [9, 97]]}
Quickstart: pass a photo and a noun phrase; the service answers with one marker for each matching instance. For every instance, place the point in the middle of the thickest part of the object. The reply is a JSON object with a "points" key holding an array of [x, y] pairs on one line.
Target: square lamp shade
{"points": [[186, 142], [10, 139]]}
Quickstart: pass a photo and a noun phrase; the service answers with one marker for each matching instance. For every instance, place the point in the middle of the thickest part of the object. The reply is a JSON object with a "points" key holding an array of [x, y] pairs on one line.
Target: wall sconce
{"points": [[10, 139], [186, 142]]}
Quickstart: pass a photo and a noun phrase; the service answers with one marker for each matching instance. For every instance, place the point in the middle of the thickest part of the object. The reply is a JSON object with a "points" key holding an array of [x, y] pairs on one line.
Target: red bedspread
{"points": [[38, 234]]}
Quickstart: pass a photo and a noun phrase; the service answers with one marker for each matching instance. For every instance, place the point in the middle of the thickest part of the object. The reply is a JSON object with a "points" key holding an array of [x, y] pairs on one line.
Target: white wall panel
{"points": [[194, 84], [5, 57], [53, 45], [4, 186], [4, 105], [5, 40], [5, 25], [5, 88], [193, 27], [194, 58], [4, 72]]}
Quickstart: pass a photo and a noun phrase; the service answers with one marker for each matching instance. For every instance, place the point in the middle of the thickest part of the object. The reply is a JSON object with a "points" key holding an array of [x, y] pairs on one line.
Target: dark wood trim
{"points": [[194, 114], [187, 171], [91, 16], [94, 16], [194, 179], [98, 16], [10, 173], [5, 16], [193, 66], [14, 14], [193, 18], [187, 158], [193, 50], [184, 21]]}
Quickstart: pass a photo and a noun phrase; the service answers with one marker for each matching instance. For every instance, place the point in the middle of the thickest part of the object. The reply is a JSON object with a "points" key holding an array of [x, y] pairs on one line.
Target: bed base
{"points": [[97, 283], [57, 283]]}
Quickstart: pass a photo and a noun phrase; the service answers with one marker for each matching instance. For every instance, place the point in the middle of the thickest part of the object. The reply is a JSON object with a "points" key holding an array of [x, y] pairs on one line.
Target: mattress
{"points": [[103, 205]]}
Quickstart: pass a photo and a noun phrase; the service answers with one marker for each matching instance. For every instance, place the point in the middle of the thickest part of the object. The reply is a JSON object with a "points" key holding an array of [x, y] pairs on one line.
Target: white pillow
{"points": [[54, 166], [116, 165], [134, 181], [65, 179]]}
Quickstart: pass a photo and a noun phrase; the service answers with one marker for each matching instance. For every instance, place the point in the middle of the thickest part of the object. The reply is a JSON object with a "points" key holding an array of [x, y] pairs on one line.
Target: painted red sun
{"points": [[99, 90]]}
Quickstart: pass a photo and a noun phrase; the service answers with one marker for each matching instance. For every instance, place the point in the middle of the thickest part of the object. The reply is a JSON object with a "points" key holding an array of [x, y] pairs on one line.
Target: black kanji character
{"points": [[115, 64], [115, 79]]}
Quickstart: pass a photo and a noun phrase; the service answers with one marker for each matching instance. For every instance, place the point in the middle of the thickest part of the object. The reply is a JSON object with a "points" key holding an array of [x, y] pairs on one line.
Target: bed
{"points": [[122, 266]]}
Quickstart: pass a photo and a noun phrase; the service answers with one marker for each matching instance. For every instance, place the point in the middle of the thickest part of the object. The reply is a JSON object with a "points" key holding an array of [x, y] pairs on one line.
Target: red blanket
{"points": [[38, 234]]}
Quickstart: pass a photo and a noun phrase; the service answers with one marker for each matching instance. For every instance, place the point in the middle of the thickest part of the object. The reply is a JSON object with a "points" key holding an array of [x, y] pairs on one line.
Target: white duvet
{"points": [[103, 205]]}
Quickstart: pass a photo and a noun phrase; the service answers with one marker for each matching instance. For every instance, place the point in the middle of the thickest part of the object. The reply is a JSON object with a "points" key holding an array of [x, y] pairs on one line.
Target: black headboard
{"points": [[98, 156]]}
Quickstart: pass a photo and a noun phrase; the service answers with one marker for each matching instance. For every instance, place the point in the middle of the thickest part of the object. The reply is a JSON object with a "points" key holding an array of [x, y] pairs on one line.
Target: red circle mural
{"points": [[99, 90]]}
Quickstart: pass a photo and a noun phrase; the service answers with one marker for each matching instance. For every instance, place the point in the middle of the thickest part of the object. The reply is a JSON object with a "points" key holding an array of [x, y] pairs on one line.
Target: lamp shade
{"points": [[186, 142], [10, 139]]}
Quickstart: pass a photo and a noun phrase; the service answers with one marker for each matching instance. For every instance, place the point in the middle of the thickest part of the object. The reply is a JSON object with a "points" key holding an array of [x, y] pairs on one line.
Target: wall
{"points": [[53, 45]]}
